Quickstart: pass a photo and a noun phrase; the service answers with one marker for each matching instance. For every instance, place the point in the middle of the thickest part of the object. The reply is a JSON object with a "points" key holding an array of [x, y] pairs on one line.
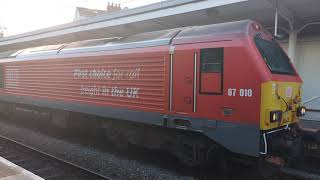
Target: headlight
{"points": [[275, 116], [301, 111]]}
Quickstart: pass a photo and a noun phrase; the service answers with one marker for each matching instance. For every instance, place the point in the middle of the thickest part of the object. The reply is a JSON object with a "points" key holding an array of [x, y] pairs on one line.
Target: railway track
{"points": [[43, 164], [50, 166]]}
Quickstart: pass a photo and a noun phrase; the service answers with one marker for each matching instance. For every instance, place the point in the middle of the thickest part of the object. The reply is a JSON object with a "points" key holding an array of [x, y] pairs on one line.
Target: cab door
{"points": [[183, 81]]}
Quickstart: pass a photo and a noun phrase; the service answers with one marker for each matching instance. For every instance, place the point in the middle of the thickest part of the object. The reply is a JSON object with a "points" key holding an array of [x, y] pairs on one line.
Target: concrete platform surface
{"points": [[312, 117], [10, 171]]}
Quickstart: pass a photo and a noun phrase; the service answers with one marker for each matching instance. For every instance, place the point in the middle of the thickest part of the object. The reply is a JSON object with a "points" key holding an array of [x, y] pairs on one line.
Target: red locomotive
{"points": [[194, 91]]}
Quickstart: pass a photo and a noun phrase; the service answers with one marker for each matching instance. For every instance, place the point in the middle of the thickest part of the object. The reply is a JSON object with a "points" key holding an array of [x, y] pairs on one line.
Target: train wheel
{"points": [[188, 160], [268, 171], [190, 154], [218, 158], [204, 157], [114, 134]]}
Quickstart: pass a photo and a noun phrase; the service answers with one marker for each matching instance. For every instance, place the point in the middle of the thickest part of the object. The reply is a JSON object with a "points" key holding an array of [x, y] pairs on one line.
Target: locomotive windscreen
{"points": [[274, 56]]}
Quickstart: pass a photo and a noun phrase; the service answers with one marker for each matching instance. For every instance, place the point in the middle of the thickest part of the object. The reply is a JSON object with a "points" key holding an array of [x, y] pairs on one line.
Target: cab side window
{"points": [[211, 70]]}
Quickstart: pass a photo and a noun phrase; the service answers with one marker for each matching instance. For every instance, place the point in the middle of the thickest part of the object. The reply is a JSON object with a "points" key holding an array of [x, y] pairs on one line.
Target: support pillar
{"points": [[292, 45]]}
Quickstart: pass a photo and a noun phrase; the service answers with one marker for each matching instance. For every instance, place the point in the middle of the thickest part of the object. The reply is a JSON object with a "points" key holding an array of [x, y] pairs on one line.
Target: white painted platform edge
{"points": [[20, 169]]}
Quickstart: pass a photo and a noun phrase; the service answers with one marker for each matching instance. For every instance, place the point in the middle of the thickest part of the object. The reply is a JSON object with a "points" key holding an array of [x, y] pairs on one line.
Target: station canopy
{"points": [[170, 14]]}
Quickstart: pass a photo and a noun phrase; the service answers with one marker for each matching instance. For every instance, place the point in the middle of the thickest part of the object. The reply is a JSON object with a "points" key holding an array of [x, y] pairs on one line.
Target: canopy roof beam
{"points": [[283, 11]]}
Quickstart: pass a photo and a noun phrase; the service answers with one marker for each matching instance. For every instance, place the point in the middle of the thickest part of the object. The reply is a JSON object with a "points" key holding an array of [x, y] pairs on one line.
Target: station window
{"points": [[211, 70], [1, 76]]}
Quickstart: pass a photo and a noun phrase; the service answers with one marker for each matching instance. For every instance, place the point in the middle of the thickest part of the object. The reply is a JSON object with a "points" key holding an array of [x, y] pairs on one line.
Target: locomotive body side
{"points": [[230, 113], [94, 83], [134, 85], [213, 80]]}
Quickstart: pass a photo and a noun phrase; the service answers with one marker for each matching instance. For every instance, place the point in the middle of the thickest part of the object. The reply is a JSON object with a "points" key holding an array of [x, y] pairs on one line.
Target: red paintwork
{"points": [[210, 82], [54, 78], [183, 67]]}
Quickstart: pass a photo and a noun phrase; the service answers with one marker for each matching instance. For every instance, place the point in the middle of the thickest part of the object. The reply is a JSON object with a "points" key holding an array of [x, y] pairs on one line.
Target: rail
{"points": [[55, 158]]}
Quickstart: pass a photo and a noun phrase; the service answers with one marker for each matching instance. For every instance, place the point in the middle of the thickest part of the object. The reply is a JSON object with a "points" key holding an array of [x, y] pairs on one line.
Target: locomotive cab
{"points": [[241, 83], [281, 95], [281, 104]]}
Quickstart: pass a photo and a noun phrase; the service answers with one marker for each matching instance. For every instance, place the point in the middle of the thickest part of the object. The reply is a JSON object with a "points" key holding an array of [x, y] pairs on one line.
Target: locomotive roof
{"points": [[149, 39]]}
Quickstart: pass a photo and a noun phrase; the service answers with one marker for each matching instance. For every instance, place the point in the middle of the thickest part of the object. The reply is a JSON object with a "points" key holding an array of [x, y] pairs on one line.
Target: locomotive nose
{"points": [[301, 111], [281, 104]]}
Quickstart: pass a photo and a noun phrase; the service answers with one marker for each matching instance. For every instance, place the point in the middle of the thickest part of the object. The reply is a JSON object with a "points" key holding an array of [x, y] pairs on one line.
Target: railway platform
{"points": [[11, 171], [312, 118]]}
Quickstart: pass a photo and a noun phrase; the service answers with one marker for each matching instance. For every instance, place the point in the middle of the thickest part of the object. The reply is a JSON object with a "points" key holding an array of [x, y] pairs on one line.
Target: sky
{"points": [[19, 16]]}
